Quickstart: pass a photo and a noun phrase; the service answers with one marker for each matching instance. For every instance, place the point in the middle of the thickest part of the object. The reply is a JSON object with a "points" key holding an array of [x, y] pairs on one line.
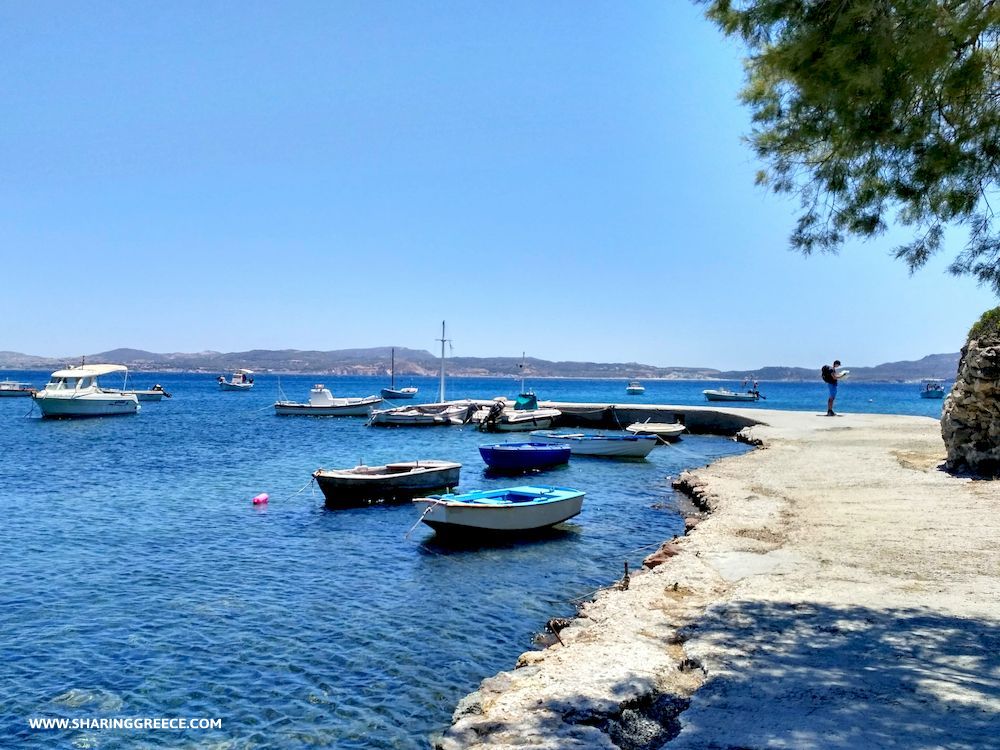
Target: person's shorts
{"points": [[833, 389]]}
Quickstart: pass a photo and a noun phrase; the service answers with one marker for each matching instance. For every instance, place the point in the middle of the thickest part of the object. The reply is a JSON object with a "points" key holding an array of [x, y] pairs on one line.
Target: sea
{"points": [[138, 581]]}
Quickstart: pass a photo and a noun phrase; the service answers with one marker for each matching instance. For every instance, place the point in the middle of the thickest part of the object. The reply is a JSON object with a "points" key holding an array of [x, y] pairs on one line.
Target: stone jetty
{"points": [[843, 591]]}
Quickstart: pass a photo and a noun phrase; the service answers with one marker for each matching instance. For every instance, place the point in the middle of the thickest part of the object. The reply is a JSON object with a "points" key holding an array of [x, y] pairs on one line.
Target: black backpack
{"points": [[827, 374]]}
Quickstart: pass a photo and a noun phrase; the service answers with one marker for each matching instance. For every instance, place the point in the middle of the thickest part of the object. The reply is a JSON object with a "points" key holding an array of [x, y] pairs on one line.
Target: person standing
{"points": [[831, 377]]}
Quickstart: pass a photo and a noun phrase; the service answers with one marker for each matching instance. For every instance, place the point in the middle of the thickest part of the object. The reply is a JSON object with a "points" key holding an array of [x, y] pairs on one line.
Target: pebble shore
{"points": [[842, 592]]}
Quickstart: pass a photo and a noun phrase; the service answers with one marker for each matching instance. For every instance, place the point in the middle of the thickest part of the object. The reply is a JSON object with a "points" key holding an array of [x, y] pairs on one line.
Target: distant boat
{"points": [[932, 389], [323, 404], [635, 388], [241, 380], [155, 393], [396, 393], [595, 444], [14, 388], [663, 430], [724, 394], [76, 393], [396, 481], [518, 457], [525, 415], [422, 415], [515, 509]]}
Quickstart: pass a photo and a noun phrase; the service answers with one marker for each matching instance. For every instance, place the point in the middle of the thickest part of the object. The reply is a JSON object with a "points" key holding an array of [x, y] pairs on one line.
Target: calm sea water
{"points": [[137, 580]]}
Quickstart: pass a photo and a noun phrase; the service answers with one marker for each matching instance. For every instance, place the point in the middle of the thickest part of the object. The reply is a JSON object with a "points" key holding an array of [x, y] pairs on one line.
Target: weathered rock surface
{"points": [[844, 592], [970, 421]]}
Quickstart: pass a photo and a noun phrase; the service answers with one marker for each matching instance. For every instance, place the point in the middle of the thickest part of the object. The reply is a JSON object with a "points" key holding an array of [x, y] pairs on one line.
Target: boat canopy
{"points": [[526, 402], [244, 372], [88, 371]]}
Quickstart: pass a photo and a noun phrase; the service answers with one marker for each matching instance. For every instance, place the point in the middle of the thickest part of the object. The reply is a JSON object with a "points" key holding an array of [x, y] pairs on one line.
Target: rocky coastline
{"points": [[842, 591]]}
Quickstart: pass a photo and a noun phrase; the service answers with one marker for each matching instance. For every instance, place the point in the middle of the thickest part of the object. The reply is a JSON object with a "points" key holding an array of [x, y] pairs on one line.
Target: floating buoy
{"points": [[260, 499]]}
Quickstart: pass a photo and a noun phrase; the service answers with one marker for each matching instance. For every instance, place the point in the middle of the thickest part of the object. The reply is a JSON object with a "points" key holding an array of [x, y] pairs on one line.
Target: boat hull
{"points": [[517, 457], [235, 386], [606, 446], [392, 393], [364, 485], [724, 396], [932, 394], [421, 415], [82, 407], [662, 430], [452, 515], [15, 393]]}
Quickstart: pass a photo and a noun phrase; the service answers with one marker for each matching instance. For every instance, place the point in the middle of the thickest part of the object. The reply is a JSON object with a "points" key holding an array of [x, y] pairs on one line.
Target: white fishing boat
{"points": [[423, 415], [323, 404], [664, 430], [403, 480], [598, 444], [155, 393], [515, 509], [523, 416], [635, 388], [724, 394], [392, 392], [15, 388], [241, 380], [76, 393]]}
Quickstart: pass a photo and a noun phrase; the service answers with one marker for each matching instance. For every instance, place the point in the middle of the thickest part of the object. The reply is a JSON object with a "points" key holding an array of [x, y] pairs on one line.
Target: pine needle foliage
{"points": [[878, 111]]}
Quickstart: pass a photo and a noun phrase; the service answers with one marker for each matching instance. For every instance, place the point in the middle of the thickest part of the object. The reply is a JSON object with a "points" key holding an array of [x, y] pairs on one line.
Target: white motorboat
{"points": [[76, 393], [14, 388], [323, 404], [523, 416], [392, 392], [635, 388], [241, 380], [724, 394], [515, 509], [423, 415], [663, 430], [597, 444], [155, 393], [403, 480]]}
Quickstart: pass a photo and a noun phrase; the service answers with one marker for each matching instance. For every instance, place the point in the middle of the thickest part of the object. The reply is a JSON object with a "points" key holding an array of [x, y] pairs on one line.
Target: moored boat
{"points": [[518, 457], [724, 394], [323, 404], [392, 392], [663, 430], [515, 509], [155, 393], [595, 444], [422, 415], [241, 380], [15, 388], [525, 415], [635, 388], [403, 480], [76, 392], [932, 389]]}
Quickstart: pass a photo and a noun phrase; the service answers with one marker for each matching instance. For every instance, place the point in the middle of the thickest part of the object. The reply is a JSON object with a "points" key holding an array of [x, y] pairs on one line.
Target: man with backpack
{"points": [[830, 377]]}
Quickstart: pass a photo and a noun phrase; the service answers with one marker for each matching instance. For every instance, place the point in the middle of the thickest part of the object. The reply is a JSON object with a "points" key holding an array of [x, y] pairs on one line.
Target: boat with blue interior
{"points": [[520, 457], [515, 509]]}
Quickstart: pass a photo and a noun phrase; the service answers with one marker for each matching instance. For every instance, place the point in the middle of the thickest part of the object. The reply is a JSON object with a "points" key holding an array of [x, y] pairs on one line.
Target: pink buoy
{"points": [[260, 499]]}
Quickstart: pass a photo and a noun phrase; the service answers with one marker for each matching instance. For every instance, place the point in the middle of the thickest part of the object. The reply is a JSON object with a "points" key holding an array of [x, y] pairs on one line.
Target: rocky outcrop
{"points": [[970, 422]]}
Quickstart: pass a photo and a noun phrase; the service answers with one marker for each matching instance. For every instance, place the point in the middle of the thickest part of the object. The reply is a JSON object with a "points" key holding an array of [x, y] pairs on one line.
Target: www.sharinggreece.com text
{"points": [[125, 722]]}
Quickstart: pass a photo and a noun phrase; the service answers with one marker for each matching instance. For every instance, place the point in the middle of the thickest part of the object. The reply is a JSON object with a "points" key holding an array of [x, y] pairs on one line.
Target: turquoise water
{"points": [[137, 580]]}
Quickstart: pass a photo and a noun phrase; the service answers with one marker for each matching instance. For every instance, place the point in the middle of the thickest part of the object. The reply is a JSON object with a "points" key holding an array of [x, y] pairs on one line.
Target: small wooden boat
{"points": [[594, 444], [507, 510], [517, 457], [396, 393], [14, 388], [241, 380], [724, 394], [155, 393], [422, 415], [635, 388], [662, 430], [525, 415], [323, 404], [932, 389], [404, 480]]}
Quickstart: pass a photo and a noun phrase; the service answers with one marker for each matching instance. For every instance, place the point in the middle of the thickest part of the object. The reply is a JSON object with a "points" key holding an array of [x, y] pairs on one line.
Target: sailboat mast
{"points": [[441, 388], [392, 366]]}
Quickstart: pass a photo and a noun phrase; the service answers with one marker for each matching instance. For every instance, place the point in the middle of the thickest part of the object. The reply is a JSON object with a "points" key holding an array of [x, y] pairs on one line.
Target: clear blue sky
{"points": [[561, 178]]}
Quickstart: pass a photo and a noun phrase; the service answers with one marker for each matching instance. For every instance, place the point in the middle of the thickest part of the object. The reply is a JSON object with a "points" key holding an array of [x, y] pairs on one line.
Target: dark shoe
{"points": [[830, 414]]}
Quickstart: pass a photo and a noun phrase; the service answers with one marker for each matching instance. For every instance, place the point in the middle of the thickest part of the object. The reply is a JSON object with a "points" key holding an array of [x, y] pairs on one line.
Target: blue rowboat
{"points": [[507, 510], [524, 456]]}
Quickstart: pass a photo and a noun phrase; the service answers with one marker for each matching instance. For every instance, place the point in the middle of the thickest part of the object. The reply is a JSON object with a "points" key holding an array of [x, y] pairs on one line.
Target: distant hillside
{"points": [[375, 361]]}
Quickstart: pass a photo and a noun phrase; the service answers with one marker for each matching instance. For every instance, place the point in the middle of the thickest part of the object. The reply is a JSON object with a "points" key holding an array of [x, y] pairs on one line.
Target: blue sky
{"points": [[562, 178]]}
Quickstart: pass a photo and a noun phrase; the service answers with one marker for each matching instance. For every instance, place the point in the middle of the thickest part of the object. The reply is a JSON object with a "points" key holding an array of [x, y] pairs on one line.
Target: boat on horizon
{"points": [[323, 404], [76, 392], [403, 480], [510, 510], [15, 388], [635, 388], [392, 392], [241, 380]]}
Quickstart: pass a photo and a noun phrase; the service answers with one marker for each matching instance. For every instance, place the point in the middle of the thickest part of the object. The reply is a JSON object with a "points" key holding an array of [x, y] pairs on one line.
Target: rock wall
{"points": [[970, 422]]}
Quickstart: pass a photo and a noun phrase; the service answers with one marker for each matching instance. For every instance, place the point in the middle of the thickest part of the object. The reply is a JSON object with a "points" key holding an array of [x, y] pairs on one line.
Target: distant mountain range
{"points": [[375, 361]]}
